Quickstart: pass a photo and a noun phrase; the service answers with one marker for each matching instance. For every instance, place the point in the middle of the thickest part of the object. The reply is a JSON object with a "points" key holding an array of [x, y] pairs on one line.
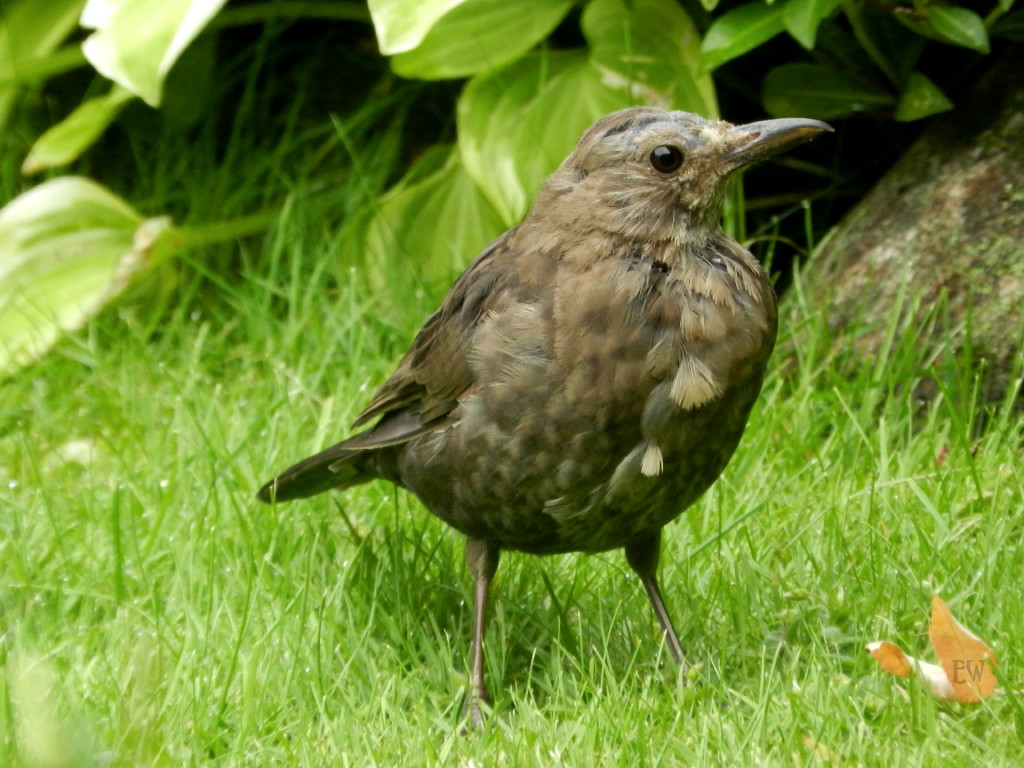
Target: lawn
{"points": [[152, 613]]}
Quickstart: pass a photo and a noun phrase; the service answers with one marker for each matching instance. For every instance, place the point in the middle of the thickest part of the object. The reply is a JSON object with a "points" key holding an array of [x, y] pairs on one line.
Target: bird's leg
{"points": [[642, 556], [482, 559]]}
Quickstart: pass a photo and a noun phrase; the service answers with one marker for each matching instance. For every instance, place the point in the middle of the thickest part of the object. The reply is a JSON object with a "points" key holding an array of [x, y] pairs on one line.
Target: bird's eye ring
{"points": [[666, 158]]}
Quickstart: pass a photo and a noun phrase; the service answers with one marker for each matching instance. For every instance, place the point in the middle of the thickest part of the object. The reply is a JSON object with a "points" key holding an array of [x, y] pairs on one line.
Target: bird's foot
{"points": [[476, 710]]}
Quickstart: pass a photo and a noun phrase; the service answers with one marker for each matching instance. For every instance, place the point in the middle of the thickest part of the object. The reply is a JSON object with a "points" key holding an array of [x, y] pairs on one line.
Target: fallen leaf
{"points": [[890, 658], [819, 749], [896, 662], [966, 672], [969, 664]]}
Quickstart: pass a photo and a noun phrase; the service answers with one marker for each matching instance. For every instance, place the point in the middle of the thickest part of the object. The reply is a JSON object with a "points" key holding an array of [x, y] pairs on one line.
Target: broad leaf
{"points": [[136, 42], [401, 25], [738, 31], [518, 123], [436, 221], [959, 26], [815, 90], [30, 30], [67, 247], [480, 35], [921, 98], [1010, 26], [803, 17], [843, 48], [654, 48], [891, 40], [65, 141]]}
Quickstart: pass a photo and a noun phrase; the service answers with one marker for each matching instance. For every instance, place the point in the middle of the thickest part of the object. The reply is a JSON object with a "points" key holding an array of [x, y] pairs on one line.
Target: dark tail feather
{"points": [[339, 465], [333, 468]]}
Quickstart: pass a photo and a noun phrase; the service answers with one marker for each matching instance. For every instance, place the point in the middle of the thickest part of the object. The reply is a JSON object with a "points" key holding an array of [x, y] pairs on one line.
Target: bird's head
{"points": [[648, 173]]}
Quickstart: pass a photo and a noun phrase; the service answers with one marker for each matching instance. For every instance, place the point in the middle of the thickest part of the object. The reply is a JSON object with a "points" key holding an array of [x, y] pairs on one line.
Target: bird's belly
{"points": [[590, 494]]}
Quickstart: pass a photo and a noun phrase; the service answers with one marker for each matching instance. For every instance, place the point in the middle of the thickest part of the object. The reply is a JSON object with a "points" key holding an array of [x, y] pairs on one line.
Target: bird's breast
{"points": [[601, 407]]}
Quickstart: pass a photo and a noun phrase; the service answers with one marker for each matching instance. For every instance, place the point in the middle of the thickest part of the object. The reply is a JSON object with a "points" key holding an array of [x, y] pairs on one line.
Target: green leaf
{"points": [[843, 48], [401, 25], [37, 70], [30, 30], [476, 36], [1010, 26], [67, 247], [921, 98], [803, 17], [65, 141], [436, 220], [818, 91], [654, 47], [136, 42], [738, 31], [518, 123], [959, 26]]}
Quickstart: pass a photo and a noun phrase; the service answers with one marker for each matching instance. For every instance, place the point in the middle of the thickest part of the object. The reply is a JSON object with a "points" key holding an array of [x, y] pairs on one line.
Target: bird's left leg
{"points": [[642, 555], [482, 559]]}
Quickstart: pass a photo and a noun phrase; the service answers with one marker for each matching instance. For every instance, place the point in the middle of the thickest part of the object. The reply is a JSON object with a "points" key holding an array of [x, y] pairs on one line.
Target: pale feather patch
{"points": [[694, 384], [652, 463], [702, 321], [624, 473], [508, 344]]}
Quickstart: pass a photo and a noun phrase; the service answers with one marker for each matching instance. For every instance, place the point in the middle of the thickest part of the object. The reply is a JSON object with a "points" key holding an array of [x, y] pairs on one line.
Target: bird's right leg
{"points": [[482, 559], [642, 555]]}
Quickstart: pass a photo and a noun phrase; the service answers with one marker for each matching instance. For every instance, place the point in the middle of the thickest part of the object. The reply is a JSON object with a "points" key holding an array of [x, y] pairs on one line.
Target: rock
{"points": [[946, 226]]}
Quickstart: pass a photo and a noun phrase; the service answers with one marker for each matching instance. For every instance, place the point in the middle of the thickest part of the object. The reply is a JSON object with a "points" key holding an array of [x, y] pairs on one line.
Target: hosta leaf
{"points": [[654, 48], [479, 35], [518, 123], [401, 25], [67, 247], [136, 42], [28, 35], [436, 221], [65, 141]]}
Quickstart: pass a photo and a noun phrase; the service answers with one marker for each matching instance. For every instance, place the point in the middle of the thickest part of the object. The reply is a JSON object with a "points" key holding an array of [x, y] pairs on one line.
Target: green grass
{"points": [[152, 613]]}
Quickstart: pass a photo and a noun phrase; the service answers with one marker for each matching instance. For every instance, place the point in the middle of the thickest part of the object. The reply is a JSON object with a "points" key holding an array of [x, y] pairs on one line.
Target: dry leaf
{"points": [[969, 664], [890, 658], [896, 662], [967, 671], [819, 749]]}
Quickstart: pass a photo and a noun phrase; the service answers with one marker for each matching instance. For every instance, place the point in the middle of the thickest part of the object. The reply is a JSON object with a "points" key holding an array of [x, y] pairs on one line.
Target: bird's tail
{"points": [[351, 462], [335, 467]]}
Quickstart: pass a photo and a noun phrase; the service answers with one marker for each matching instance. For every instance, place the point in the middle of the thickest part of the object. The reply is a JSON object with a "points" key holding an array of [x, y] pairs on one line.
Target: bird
{"points": [[590, 374]]}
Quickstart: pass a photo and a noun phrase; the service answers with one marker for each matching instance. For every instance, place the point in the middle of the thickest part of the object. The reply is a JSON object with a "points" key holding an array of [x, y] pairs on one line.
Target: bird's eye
{"points": [[666, 158]]}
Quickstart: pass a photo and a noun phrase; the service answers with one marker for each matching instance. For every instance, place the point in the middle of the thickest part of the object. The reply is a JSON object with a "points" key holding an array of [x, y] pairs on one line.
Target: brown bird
{"points": [[590, 374]]}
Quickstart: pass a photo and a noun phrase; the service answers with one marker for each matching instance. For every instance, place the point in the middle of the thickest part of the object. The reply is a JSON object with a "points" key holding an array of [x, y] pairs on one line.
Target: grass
{"points": [[152, 613]]}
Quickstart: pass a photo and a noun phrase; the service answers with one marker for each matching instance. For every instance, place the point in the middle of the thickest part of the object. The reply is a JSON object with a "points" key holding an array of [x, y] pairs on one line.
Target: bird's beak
{"points": [[761, 140]]}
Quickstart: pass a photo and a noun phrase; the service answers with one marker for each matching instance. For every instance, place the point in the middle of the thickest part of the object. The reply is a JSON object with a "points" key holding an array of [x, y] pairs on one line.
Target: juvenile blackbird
{"points": [[590, 374]]}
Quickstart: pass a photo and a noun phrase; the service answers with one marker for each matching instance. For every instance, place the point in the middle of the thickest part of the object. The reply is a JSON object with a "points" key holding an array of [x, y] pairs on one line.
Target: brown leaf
{"points": [[969, 664], [890, 658], [896, 662], [967, 671]]}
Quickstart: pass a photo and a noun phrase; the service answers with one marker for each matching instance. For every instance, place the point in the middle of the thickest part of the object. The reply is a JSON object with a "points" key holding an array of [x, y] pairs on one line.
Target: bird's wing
{"points": [[420, 394], [428, 381]]}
